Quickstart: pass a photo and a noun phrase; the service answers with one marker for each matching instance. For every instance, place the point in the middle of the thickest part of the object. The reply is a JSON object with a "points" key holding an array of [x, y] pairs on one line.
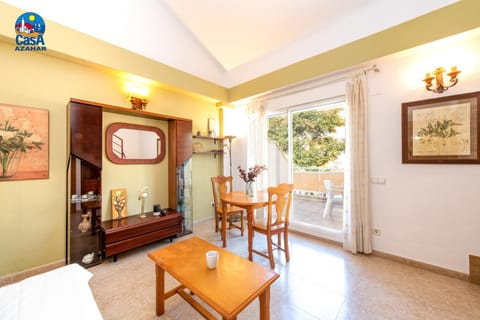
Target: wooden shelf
{"points": [[214, 152], [132, 112], [209, 138]]}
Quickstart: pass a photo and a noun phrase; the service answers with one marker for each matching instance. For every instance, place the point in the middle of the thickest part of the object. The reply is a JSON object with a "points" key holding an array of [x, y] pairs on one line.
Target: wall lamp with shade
{"points": [[439, 86], [138, 95]]}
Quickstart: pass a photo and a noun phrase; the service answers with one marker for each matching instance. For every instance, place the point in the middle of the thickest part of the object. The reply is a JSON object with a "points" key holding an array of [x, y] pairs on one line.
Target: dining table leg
{"points": [[250, 212], [224, 225]]}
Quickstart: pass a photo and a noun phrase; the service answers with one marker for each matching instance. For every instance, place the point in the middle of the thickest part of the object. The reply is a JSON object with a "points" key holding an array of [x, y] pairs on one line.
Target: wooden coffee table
{"points": [[228, 289]]}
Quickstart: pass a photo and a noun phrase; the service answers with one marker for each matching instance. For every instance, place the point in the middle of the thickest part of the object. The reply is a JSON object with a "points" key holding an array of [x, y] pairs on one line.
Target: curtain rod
{"points": [[373, 68], [339, 75]]}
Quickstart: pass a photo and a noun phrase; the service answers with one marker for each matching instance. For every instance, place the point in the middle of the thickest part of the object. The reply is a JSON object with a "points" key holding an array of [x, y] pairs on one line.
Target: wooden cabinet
{"points": [[180, 134], [85, 174], [180, 150], [120, 235], [180, 171], [84, 226], [85, 130]]}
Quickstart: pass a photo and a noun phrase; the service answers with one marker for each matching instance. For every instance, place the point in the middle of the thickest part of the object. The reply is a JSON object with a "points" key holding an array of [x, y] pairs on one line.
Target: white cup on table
{"points": [[212, 259]]}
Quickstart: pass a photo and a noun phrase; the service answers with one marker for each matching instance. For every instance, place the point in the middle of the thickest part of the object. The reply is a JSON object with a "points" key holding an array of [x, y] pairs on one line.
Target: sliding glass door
{"points": [[306, 147]]}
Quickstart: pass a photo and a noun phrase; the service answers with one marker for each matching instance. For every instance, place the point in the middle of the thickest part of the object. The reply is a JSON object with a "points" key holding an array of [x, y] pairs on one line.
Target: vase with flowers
{"points": [[249, 177], [13, 143]]}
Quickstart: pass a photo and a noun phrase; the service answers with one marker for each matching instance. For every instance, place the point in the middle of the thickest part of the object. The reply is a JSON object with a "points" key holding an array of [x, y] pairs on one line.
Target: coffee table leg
{"points": [[265, 304], [160, 290]]}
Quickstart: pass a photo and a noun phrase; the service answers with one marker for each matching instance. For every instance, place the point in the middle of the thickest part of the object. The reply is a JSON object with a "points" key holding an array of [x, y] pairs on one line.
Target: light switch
{"points": [[376, 180]]}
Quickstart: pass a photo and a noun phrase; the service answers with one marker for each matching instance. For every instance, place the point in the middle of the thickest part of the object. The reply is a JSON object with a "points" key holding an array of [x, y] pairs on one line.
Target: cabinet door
{"points": [[179, 151], [86, 133], [184, 141]]}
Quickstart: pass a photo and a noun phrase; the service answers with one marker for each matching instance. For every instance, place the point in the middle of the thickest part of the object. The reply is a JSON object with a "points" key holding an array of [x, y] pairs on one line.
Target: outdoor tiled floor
{"points": [[310, 210]]}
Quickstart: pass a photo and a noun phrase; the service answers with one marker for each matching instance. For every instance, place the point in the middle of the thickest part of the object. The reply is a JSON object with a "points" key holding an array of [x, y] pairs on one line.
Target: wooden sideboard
{"points": [[120, 235]]}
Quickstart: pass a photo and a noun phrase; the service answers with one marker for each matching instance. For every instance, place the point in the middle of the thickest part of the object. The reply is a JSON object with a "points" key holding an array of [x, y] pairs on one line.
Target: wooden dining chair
{"points": [[220, 185], [276, 221]]}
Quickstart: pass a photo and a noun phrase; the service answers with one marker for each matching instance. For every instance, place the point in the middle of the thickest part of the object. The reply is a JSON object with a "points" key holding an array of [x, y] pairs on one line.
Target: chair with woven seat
{"points": [[220, 185], [276, 222]]}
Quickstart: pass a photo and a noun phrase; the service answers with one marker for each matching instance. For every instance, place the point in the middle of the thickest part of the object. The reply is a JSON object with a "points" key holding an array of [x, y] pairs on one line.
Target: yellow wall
{"points": [[202, 186], [32, 228]]}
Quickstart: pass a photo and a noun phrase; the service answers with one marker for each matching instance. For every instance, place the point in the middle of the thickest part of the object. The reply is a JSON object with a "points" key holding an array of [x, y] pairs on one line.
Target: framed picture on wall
{"points": [[119, 203], [442, 130], [23, 143]]}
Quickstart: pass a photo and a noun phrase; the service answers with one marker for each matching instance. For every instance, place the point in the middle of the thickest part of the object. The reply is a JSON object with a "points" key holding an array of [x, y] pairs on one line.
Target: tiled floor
{"points": [[310, 210], [321, 281]]}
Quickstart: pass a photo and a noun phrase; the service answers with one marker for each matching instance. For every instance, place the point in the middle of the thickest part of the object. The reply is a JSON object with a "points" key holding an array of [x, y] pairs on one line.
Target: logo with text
{"points": [[30, 28]]}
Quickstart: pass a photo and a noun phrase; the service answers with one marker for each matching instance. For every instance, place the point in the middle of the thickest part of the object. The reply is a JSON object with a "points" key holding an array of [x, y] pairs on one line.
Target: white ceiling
{"points": [[236, 32], [228, 42]]}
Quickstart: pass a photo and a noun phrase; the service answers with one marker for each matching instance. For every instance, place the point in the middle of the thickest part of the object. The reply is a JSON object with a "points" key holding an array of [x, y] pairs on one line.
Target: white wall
{"points": [[426, 212]]}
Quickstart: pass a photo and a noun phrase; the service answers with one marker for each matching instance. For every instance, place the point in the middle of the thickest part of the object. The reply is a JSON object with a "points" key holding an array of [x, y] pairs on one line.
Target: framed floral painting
{"points": [[23, 143], [119, 203], [442, 130]]}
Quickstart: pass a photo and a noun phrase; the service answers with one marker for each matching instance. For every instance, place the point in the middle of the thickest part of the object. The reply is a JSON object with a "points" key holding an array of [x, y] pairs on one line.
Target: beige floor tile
{"points": [[321, 281]]}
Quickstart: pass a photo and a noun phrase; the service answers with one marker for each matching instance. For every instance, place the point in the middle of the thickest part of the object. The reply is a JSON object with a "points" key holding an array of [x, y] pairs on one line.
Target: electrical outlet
{"points": [[377, 232], [212, 204]]}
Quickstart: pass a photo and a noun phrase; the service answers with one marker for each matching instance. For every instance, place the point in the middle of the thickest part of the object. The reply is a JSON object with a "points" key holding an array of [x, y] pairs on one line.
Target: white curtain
{"points": [[255, 138], [357, 215]]}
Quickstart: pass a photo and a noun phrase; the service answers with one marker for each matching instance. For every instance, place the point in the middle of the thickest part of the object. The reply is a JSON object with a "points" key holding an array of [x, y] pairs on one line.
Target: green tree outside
{"points": [[313, 144]]}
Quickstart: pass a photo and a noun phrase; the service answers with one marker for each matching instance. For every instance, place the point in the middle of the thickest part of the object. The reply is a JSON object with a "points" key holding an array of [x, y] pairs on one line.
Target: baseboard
{"points": [[15, 277], [203, 219], [422, 265], [308, 235], [392, 257]]}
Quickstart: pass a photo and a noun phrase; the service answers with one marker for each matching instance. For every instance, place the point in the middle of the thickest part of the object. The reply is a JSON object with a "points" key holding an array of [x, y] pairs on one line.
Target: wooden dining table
{"points": [[240, 199]]}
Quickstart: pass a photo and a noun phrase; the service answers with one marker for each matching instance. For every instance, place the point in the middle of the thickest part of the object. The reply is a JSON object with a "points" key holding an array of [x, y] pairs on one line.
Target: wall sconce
{"points": [[137, 94], [139, 103], [438, 76]]}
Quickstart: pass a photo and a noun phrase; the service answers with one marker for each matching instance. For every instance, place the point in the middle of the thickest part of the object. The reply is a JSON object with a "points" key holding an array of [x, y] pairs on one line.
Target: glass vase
{"points": [[250, 189], [9, 163]]}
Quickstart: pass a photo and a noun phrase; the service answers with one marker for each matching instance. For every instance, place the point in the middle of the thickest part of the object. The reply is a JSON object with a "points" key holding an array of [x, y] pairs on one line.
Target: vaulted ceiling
{"points": [[229, 42]]}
